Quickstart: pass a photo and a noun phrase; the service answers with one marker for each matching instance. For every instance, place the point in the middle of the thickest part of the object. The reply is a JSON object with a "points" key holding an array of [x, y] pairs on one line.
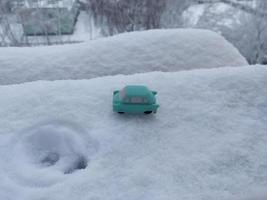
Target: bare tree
{"points": [[6, 32], [248, 33], [172, 15], [258, 11], [251, 36], [127, 15]]}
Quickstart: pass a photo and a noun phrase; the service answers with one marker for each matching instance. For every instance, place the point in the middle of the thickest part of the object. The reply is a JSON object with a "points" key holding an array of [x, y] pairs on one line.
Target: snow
{"points": [[192, 15], [15, 29], [216, 14], [128, 53], [86, 28], [60, 139]]}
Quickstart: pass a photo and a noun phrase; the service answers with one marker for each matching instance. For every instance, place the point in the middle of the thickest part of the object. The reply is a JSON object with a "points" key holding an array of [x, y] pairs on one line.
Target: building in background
{"points": [[47, 17]]}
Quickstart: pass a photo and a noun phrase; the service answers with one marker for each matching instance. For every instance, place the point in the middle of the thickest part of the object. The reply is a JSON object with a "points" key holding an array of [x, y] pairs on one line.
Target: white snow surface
{"points": [[129, 53], [192, 14], [224, 14], [208, 140]]}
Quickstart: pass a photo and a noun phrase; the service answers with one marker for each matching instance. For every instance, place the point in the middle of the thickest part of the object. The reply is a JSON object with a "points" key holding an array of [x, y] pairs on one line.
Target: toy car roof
{"points": [[136, 90]]}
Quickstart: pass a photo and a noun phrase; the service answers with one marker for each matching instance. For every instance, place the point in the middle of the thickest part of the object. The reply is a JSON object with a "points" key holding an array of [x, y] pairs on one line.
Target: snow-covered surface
{"points": [[208, 140], [192, 14], [214, 14], [129, 53]]}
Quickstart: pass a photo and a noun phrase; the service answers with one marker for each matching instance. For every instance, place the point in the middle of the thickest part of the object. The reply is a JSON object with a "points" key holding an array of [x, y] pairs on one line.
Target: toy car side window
{"points": [[145, 100], [126, 100], [122, 94], [136, 100]]}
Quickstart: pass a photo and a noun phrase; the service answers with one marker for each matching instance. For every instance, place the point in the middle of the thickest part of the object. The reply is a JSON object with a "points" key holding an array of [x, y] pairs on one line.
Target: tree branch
{"points": [[240, 6]]}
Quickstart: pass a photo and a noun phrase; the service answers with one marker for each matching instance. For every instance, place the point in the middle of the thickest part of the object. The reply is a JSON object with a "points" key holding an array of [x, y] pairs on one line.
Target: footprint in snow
{"points": [[43, 154]]}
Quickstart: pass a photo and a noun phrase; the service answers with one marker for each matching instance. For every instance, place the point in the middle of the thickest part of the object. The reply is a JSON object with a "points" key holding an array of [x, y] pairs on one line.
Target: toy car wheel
{"points": [[121, 112], [148, 112]]}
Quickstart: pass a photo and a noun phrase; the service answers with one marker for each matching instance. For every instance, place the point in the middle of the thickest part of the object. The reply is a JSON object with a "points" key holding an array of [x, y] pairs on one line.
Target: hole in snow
{"points": [[49, 150], [80, 163], [50, 159]]}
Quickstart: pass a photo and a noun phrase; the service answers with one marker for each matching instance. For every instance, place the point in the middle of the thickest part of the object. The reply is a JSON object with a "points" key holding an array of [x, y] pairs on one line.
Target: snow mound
{"points": [[207, 141], [129, 53]]}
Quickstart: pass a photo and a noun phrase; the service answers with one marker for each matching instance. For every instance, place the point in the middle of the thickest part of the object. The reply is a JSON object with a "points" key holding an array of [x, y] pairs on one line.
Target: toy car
{"points": [[134, 99]]}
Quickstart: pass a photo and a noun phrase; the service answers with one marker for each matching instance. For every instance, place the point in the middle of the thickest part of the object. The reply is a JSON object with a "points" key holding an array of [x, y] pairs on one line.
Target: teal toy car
{"points": [[135, 99]]}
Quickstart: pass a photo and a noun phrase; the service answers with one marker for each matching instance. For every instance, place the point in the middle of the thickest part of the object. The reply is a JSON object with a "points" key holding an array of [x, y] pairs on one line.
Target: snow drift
{"points": [[129, 53], [207, 141]]}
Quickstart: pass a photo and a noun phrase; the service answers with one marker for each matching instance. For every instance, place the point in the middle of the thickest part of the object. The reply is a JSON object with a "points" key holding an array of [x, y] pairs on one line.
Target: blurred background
{"points": [[50, 22]]}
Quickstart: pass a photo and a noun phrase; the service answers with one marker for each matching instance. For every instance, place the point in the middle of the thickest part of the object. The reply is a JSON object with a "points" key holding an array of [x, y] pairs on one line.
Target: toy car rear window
{"points": [[136, 100]]}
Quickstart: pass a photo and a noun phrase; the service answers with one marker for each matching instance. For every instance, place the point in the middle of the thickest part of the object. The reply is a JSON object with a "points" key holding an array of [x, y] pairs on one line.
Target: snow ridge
{"points": [[128, 53]]}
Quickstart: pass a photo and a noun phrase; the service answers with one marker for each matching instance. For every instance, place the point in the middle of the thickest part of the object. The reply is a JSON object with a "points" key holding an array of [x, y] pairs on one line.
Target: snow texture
{"points": [[192, 15], [216, 14], [60, 139], [129, 53]]}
